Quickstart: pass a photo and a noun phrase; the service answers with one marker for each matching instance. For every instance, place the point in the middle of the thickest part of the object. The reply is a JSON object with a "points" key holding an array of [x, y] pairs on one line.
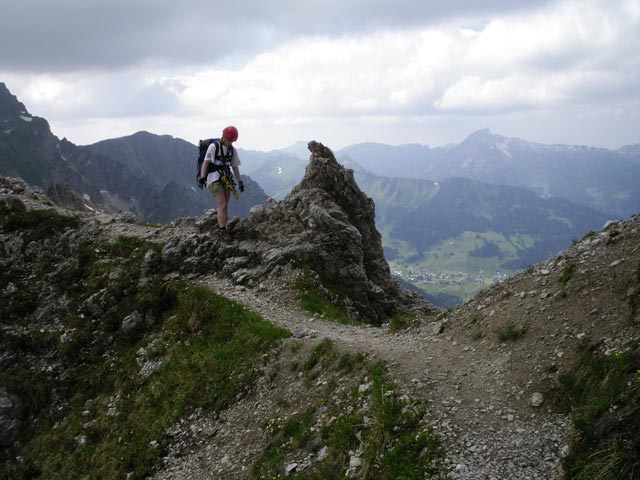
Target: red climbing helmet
{"points": [[230, 133]]}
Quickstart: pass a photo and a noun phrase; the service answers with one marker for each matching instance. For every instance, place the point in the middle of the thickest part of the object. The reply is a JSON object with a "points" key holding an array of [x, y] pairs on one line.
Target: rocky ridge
{"points": [[491, 400], [326, 223]]}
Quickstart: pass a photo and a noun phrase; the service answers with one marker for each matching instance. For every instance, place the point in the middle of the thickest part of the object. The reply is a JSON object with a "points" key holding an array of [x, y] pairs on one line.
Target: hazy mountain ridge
{"points": [[401, 161], [605, 180], [278, 171]]}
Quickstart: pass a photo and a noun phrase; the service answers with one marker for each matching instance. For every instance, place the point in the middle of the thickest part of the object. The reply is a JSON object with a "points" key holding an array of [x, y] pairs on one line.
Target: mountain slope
{"points": [[464, 205], [163, 158], [146, 390], [426, 208], [276, 171], [601, 179], [466, 232], [149, 175], [27, 148]]}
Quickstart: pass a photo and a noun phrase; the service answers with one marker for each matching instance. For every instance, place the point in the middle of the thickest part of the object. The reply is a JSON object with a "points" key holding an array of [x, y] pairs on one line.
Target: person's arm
{"points": [[236, 172], [204, 168]]}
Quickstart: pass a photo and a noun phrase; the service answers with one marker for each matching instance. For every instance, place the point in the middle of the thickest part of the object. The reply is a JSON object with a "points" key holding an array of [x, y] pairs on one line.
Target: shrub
{"points": [[36, 224], [567, 273], [403, 321], [510, 332]]}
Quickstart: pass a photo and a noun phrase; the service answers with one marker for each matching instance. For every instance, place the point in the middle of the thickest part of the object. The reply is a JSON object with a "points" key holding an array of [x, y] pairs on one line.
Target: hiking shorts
{"points": [[218, 187]]}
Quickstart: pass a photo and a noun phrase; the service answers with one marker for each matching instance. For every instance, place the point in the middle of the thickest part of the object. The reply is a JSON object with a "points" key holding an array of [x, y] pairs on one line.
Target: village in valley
{"points": [[426, 276]]}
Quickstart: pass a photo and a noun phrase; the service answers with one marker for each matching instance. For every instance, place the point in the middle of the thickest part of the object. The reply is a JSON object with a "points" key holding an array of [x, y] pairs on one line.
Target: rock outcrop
{"points": [[323, 231], [326, 224]]}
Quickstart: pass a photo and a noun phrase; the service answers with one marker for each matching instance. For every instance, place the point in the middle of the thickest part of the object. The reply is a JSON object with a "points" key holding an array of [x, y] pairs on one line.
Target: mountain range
{"points": [[484, 208], [605, 180], [423, 214], [490, 204]]}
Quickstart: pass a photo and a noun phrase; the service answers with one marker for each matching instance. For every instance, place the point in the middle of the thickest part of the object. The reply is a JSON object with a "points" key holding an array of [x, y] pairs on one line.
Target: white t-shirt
{"points": [[209, 156]]}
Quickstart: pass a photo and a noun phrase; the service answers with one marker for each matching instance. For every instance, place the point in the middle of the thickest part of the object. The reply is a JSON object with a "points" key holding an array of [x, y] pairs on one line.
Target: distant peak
{"points": [[9, 103], [480, 134], [143, 133]]}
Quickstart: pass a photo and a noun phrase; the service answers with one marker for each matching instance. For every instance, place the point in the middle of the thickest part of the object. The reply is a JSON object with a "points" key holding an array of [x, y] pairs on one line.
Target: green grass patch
{"points": [[403, 321], [23, 301], [324, 349], [567, 273], [388, 433], [36, 225], [112, 420], [511, 332], [291, 436], [476, 333], [210, 350], [320, 299], [602, 393]]}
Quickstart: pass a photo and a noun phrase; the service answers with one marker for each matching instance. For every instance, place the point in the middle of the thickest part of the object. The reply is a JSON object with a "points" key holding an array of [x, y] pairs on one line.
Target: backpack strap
{"points": [[219, 160]]}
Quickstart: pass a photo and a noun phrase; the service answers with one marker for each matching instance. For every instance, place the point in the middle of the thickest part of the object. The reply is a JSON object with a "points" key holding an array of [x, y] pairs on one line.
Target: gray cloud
{"points": [[73, 35], [419, 70]]}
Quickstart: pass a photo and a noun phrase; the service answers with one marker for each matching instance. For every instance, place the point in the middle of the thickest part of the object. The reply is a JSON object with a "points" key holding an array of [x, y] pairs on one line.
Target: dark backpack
{"points": [[203, 146]]}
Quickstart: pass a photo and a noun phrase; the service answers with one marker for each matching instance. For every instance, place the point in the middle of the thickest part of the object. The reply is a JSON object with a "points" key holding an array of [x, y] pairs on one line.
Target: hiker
{"points": [[219, 157]]}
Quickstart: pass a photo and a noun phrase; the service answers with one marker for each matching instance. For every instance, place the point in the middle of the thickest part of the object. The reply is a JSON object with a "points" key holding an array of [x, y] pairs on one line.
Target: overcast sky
{"points": [[337, 71]]}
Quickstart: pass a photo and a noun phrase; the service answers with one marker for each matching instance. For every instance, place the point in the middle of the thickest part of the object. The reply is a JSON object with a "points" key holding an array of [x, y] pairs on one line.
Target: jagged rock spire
{"points": [[326, 224]]}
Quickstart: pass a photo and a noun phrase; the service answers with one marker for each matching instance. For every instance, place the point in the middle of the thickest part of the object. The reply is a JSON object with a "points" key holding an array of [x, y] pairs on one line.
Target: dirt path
{"points": [[491, 430], [479, 389]]}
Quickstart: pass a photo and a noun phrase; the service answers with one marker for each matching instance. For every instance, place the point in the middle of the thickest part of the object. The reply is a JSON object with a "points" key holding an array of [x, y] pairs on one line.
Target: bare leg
{"points": [[222, 205]]}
